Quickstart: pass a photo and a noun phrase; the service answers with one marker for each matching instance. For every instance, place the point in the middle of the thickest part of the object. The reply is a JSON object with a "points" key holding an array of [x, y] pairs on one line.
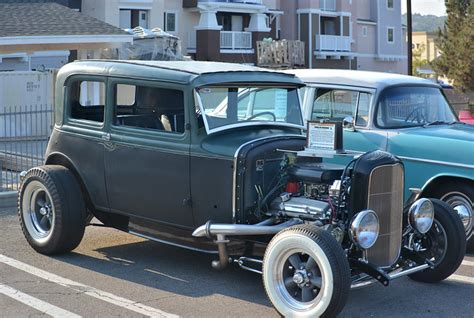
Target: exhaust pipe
{"points": [[220, 231], [210, 230]]}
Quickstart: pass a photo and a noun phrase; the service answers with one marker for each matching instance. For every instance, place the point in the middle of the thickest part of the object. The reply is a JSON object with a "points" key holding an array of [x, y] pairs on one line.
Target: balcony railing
{"points": [[234, 40], [335, 43], [327, 5], [230, 40]]}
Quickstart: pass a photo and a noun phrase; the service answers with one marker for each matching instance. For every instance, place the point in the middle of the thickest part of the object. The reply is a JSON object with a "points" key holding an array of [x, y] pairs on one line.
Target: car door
{"points": [[147, 154], [82, 132], [334, 103]]}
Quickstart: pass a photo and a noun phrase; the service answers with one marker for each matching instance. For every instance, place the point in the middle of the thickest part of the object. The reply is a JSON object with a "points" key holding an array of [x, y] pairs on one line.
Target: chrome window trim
{"points": [[234, 174], [450, 164]]}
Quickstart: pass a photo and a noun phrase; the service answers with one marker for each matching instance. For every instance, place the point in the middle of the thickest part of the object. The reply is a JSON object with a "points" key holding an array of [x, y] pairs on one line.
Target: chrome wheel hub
{"points": [[38, 211], [463, 207]]}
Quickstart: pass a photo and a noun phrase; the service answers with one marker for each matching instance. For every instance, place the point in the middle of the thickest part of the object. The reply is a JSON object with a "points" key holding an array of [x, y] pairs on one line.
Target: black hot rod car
{"points": [[206, 156]]}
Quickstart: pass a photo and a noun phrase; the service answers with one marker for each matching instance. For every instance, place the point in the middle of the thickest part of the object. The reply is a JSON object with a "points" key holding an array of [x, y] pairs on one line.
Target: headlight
{"points": [[420, 215], [364, 229]]}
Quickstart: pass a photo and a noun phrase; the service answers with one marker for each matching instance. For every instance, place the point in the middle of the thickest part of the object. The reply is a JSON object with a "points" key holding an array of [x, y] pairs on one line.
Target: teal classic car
{"points": [[407, 116]]}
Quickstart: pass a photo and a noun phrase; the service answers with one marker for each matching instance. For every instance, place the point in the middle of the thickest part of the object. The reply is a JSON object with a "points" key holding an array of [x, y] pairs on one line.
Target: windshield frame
{"points": [[241, 124], [382, 93]]}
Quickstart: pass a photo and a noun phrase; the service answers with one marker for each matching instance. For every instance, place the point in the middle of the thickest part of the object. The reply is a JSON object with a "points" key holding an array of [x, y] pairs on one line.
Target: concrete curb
{"points": [[8, 199]]}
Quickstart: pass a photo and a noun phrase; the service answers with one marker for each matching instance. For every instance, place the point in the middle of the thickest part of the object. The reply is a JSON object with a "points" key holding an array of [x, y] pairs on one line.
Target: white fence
{"points": [[233, 40], [333, 43], [26, 120]]}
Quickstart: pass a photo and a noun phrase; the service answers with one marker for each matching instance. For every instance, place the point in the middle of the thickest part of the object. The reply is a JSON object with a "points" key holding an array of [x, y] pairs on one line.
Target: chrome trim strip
{"points": [[236, 155], [450, 164], [172, 244]]}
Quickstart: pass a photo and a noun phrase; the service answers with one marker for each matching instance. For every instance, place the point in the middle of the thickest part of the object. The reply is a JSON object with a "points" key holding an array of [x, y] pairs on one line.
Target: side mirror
{"points": [[348, 123]]}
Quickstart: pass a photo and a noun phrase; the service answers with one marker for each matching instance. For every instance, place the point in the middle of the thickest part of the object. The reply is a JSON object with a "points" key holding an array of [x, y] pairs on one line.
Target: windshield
{"points": [[402, 107], [227, 106]]}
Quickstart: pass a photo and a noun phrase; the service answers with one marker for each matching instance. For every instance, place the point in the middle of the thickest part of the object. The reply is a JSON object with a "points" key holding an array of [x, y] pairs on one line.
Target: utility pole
{"points": [[410, 42]]}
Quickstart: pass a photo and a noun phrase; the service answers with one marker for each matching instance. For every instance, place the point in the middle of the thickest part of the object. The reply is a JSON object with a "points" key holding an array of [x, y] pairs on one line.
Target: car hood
{"points": [[449, 143], [226, 143]]}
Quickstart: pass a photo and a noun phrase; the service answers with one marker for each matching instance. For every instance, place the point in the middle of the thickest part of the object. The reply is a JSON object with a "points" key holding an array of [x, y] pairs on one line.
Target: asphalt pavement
{"points": [[114, 274]]}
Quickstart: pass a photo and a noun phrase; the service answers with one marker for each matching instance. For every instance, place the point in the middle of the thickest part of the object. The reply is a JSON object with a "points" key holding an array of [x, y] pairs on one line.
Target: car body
{"points": [[438, 157], [204, 156]]}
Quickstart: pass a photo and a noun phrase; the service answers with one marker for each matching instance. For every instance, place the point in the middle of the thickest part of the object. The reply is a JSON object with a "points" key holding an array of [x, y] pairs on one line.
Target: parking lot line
{"points": [[467, 263], [35, 303], [461, 278], [88, 290]]}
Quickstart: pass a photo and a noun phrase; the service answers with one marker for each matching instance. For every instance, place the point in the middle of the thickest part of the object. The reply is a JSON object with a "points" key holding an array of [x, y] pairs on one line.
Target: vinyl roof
{"points": [[357, 78]]}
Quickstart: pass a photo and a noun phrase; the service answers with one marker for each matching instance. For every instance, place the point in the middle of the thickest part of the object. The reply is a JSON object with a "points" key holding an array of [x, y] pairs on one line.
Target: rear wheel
{"points": [[460, 196], [305, 273], [444, 244], [51, 210]]}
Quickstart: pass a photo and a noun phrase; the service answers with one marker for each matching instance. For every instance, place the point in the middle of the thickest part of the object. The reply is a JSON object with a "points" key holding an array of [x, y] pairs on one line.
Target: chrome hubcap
{"points": [[463, 206], [38, 211]]}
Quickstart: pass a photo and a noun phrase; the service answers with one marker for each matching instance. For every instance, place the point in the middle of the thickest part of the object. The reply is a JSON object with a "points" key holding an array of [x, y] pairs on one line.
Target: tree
{"points": [[417, 60], [456, 42]]}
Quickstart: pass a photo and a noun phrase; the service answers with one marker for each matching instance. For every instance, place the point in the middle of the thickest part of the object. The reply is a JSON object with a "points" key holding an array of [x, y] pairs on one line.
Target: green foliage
{"points": [[417, 60], [456, 42], [428, 23]]}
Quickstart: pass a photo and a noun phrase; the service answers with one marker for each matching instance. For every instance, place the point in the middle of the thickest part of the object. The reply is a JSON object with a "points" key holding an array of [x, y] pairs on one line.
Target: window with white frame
{"points": [[364, 31], [389, 4], [171, 21], [390, 35]]}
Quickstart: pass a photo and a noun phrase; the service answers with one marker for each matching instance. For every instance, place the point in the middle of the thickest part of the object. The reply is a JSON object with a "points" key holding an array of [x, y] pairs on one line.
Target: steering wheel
{"points": [[417, 115], [262, 114]]}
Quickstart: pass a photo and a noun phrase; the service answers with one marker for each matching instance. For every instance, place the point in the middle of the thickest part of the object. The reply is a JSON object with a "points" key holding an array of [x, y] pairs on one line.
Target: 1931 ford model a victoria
{"points": [[205, 156]]}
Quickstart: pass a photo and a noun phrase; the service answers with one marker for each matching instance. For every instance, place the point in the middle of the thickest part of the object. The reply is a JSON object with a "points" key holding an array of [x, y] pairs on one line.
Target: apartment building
{"points": [[425, 43], [350, 34]]}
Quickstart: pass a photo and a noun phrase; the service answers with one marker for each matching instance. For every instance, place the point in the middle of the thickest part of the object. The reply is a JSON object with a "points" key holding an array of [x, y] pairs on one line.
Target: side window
{"points": [[86, 100], [334, 104], [363, 110], [149, 108]]}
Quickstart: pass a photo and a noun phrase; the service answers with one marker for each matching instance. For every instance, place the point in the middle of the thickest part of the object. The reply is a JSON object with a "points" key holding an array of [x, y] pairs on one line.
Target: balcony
{"points": [[194, 3], [231, 41], [327, 5], [333, 43]]}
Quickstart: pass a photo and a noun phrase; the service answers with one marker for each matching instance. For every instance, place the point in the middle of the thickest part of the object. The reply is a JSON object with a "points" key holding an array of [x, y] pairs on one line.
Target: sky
{"points": [[435, 7]]}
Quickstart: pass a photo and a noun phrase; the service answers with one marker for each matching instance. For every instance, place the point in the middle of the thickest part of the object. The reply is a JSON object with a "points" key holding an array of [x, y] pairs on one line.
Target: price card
{"points": [[321, 136]]}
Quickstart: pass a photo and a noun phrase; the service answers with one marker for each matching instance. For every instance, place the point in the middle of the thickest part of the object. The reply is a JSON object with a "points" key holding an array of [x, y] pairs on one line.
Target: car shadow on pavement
{"points": [[171, 269]]}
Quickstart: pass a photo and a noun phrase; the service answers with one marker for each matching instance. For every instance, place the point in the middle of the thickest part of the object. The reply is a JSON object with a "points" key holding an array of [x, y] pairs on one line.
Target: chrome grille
{"points": [[385, 197]]}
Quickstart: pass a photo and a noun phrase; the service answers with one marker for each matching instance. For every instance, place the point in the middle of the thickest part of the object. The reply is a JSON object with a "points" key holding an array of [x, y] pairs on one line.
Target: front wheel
{"points": [[444, 244], [305, 273]]}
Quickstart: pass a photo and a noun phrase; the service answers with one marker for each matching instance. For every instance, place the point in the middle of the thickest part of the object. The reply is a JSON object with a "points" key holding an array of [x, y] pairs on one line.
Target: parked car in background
{"points": [[204, 156], [466, 117], [407, 116]]}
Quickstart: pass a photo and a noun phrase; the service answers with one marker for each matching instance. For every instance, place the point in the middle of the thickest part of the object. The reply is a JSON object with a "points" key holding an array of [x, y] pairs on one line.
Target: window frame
{"points": [[68, 119], [147, 133], [392, 6], [310, 96], [176, 21], [393, 35]]}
